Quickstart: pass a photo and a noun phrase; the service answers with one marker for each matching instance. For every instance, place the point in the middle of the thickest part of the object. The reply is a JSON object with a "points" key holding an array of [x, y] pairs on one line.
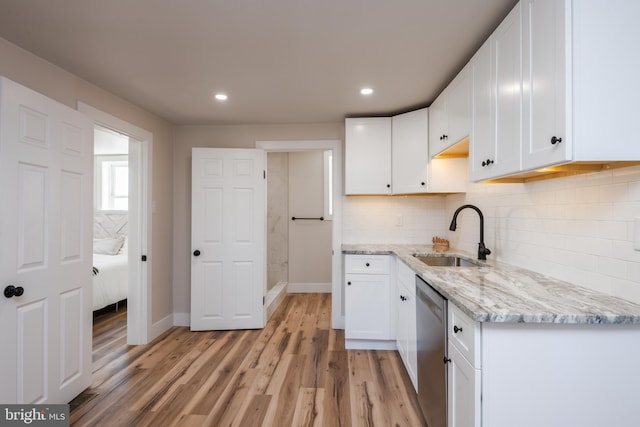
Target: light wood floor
{"points": [[294, 372]]}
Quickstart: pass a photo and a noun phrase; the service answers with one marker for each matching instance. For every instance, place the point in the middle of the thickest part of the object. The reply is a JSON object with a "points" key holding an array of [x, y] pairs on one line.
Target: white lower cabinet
{"points": [[406, 337], [463, 395], [369, 316], [541, 374], [464, 385]]}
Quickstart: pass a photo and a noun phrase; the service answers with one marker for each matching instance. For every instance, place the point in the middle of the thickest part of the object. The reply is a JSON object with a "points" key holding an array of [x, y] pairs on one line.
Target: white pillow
{"points": [[107, 246], [125, 245]]}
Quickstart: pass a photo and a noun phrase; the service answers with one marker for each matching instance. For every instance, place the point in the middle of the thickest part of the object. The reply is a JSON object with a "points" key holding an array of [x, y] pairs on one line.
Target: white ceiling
{"points": [[280, 61]]}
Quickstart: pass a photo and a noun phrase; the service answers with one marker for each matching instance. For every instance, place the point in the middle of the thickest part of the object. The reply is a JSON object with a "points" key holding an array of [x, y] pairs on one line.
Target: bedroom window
{"points": [[112, 186]]}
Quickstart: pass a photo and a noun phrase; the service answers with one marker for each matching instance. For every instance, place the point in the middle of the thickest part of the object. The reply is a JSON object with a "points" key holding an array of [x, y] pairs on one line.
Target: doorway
{"points": [[138, 220], [110, 281], [330, 151]]}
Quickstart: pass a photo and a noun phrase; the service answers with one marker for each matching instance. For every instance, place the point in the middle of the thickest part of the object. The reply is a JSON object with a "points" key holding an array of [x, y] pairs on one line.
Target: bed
{"points": [[110, 272]]}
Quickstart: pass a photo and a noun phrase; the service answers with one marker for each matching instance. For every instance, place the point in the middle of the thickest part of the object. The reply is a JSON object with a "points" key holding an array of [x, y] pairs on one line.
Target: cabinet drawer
{"points": [[366, 264], [464, 333]]}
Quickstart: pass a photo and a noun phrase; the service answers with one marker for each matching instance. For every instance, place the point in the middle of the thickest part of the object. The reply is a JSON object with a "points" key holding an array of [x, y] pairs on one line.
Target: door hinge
{"points": [[264, 174], [263, 300], [143, 257]]}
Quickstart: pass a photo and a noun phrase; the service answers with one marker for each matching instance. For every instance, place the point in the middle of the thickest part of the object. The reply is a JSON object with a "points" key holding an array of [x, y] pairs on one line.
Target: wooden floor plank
{"points": [[294, 372], [308, 412]]}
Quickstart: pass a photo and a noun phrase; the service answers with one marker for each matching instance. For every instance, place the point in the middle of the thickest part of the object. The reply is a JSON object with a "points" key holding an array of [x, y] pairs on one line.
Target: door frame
{"points": [[139, 326], [335, 145]]}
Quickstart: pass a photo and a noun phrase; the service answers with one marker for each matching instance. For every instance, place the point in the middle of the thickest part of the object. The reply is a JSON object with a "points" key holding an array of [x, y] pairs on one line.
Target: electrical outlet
{"points": [[636, 233], [399, 220]]}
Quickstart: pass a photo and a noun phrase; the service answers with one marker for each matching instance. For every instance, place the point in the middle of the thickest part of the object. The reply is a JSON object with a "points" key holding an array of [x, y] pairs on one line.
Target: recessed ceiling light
{"points": [[366, 91], [221, 97]]}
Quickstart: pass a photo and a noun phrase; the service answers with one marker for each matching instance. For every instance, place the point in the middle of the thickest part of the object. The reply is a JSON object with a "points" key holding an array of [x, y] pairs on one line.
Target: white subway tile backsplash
{"points": [[577, 228]]}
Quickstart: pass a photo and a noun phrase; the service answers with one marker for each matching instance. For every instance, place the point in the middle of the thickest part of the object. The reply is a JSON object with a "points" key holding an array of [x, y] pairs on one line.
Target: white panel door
{"points": [[228, 214], [46, 160]]}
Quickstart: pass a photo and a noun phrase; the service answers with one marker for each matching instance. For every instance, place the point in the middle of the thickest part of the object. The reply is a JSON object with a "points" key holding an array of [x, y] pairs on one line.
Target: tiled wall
{"points": [[578, 228], [277, 218], [374, 219]]}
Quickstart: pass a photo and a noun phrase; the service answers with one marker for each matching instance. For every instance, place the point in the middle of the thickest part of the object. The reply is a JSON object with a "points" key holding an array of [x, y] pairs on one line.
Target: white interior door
{"points": [[228, 215], [46, 161]]}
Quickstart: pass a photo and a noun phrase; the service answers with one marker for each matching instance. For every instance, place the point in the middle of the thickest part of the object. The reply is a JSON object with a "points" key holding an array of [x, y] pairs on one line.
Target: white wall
{"points": [[374, 219], [579, 228], [309, 240]]}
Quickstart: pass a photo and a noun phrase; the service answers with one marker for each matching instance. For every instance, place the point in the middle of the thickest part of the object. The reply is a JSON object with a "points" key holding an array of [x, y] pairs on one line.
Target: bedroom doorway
{"points": [[125, 208], [110, 228]]}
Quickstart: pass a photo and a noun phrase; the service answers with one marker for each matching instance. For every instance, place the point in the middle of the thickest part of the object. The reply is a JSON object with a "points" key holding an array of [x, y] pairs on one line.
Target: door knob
{"points": [[196, 253], [13, 291]]}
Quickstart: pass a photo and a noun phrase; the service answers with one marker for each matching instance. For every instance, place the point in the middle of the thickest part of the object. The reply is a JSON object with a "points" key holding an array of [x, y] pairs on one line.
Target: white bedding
{"points": [[111, 284]]}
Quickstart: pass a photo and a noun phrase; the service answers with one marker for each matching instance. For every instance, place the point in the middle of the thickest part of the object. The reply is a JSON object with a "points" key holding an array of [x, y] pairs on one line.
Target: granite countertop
{"points": [[501, 292]]}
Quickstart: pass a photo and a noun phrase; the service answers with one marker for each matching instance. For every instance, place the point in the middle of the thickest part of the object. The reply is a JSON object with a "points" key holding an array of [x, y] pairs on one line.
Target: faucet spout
{"points": [[482, 250]]}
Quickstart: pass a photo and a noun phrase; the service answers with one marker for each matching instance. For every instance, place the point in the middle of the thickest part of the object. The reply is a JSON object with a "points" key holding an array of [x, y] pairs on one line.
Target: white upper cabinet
{"points": [[583, 84], [571, 99], [482, 147], [450, 114], [497, 102], [390, 155], [545, 92], [367, 155], [410, 152]]}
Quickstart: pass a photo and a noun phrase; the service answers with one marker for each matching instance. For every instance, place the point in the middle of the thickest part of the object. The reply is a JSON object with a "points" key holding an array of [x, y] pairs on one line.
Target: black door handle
{"points": [[13, 291], [555, 140], [196, 253]]}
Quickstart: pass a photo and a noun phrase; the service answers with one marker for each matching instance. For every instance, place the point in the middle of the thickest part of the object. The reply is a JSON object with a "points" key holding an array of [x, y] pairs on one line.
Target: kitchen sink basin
{"points": [[448, 261]]}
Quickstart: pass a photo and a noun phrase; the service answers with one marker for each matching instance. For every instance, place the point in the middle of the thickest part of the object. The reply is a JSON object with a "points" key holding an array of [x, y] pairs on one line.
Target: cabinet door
{"points": [[367, 307], [410, 152], [406, 325], [367, 155], [402, 325], [459, 107], [411, 336], [481, 146], [463, 399], [438, 124], [544, 106], [507, 63], [497, 96]]}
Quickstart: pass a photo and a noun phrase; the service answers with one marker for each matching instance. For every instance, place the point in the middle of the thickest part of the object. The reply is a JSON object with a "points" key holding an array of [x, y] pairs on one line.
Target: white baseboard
{"points": [[301, 288], [181, 319], [357, 344], [160, 327], [275, 297], [274, 300]]}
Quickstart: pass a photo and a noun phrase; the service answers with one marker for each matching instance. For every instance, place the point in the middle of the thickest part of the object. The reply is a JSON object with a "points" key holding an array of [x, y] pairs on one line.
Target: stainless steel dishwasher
{"points": [[431, 317]]}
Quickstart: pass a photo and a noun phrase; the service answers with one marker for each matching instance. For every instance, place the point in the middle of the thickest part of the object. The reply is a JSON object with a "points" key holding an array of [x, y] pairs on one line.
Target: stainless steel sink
{"points": [[448, 261]]}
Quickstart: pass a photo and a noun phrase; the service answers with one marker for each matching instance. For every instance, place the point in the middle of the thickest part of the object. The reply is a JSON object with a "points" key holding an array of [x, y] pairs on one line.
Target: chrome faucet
{"points": [[482, 250]]}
